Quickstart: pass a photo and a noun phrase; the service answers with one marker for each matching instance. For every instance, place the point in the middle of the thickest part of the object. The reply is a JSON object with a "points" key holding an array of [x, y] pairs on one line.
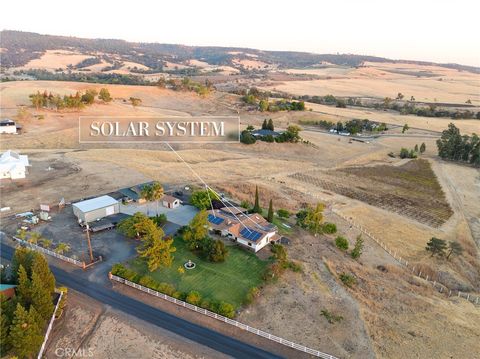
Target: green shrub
{"points": [[283, 213], [226, 309], [205, 304], [148, 282], [358, 249], [167, 289], [294, 266], [193, 298], [348, 279], [341, 243], [251, 295], [329, 228]]}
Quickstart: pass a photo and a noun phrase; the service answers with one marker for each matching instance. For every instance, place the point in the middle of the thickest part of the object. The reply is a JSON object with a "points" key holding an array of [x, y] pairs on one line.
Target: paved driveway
{"points": [[181, 215]]}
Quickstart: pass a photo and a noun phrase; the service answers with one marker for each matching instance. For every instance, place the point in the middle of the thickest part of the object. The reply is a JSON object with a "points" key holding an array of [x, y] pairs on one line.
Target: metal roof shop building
{"points": [[95, 208]]}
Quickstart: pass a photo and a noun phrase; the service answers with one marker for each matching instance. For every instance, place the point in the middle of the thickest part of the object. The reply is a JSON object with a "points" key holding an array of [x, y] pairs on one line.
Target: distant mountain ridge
{"points": [[18, 48]]}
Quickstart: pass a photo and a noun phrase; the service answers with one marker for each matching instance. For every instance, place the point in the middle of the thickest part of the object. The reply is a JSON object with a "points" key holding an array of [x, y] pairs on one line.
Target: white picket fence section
{"points": [[442, 288], [221, 318], [50, 253], [49, 329]]}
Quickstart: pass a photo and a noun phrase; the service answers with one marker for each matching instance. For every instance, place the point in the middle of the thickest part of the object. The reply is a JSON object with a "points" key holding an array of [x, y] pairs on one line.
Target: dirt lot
{"points": [[89, 327]]}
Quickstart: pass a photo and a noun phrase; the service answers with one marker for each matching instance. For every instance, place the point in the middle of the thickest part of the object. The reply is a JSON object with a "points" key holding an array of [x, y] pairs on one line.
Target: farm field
{"points": [[228, 281], [411, 189]]}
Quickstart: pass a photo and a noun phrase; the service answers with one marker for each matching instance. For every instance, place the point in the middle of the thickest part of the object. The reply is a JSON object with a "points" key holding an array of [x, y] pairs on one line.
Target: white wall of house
{"points": [[12, 129]]}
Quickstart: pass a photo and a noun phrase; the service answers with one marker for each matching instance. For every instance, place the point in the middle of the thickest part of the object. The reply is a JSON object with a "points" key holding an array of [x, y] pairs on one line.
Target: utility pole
{"points": [[89, 244]]}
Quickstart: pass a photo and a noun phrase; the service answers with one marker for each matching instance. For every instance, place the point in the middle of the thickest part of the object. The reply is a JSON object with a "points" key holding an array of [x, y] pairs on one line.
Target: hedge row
{"points": [[192, 297]]}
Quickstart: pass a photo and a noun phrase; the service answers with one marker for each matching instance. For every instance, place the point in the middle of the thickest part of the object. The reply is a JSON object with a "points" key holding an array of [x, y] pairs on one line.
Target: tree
{"points": [[314, 218], [454, 248], [135, 101], [423, 147], [250, 128], [25, 333], [22, 257], [152, 192], [217, 251], [256, 207], [270, 125], [23, 290], [105, 95], [202, 199], [400, 96], [404, 153], [263, 106], [270, 212], [40, 267], [264, 124], [247, 138], [283, 213], [415, 148], [4, 333], [156, 250], [405, 128], [46, 243], [358, 248], [34, 237], [197, 230], [41, 297], [62, 248], [436, 246], [226, 309], [136, 225], [89, 96]]}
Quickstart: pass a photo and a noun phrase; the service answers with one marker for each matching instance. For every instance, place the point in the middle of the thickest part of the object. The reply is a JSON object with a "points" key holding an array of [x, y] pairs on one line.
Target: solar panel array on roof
{"points": [[214, 220], [250, 234]]}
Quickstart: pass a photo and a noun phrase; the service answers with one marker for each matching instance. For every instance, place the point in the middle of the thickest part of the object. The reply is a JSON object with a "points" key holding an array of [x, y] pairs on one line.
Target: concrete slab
{"points": [[181, 215]]}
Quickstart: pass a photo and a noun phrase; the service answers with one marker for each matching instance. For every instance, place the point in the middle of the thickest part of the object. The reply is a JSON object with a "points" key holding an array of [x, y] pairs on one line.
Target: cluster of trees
{"points": [[100, 78], [311, 219], [439, 247], [193, 297], [457, 147], [25, 316], [281, 105], [332, 100], [412, 153], [197, 239], [77, 101], [38, 239], [258, 98], [353, 126], [155, 248], [186, 84]]}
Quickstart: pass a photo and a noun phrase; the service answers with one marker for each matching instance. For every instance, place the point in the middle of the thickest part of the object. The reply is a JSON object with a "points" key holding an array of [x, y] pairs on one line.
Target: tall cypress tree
{"points": [[270, 125], [256, 207], [40, 266], [270, 212], [25, 334], [23, 291], [41, 297], [264, 125]]}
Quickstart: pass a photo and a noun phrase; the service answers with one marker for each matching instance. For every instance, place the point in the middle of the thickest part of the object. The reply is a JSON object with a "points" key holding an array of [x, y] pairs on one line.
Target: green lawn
{"points": [[228, 281]]}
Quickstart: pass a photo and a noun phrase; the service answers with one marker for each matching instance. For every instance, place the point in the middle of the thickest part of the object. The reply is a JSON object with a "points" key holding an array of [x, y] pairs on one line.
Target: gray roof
{"points": [[265, 133], [95, 203]]}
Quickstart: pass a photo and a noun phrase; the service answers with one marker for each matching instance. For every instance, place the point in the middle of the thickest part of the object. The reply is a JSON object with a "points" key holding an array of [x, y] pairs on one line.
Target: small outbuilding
{"points": [[170, 201], [96, 208]]}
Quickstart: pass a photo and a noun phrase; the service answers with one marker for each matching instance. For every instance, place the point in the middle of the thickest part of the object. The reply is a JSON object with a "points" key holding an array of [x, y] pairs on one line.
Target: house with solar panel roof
{"points": [[251, 231]]}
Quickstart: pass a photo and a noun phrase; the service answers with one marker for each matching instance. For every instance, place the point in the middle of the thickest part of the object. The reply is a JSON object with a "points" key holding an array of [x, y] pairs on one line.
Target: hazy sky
{"points": [[440, 31]]}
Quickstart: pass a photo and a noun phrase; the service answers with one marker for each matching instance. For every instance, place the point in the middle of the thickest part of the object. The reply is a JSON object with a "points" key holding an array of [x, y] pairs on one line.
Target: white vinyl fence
{"points": [[50, 253], [221, 318], [49, 329]]}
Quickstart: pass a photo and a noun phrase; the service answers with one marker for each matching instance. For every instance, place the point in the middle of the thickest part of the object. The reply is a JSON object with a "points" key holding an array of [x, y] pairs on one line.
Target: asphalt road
{"points": [[77, 280]]}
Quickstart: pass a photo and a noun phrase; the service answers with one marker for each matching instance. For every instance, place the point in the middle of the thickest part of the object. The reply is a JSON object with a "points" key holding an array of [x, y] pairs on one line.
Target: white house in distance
{"points": [[96, 208], [13, 165], [170, 201], [251, 231], [8, 126]]}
